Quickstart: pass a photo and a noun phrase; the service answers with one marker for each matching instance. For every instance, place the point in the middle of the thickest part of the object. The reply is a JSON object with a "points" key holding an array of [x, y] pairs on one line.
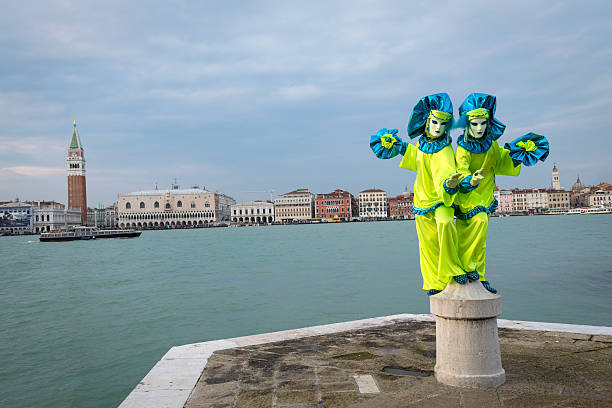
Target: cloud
{"points": [[34, 147], [300, 93], [200, 96], [25, 107], [31, 171]]}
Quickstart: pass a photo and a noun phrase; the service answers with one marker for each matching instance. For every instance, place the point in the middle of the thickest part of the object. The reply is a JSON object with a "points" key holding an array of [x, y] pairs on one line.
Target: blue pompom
{"points": [[528, 149], [394, 145]]}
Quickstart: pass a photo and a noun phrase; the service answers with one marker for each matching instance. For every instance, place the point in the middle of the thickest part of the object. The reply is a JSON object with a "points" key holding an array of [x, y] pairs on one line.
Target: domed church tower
{"points": [[77, 194]]}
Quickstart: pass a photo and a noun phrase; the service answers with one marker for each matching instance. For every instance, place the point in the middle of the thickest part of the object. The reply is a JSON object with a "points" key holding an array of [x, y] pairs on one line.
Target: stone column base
{"points": [[467, 343], [471, 380]]}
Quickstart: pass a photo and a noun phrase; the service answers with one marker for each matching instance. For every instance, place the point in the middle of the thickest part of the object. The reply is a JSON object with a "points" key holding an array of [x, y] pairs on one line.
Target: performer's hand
{"points": [[453, 181], [477, 177]]}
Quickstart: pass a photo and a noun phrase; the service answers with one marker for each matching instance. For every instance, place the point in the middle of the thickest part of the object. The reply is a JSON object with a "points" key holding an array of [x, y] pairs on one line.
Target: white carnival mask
{"points": [[477, 127], [436, 127]]}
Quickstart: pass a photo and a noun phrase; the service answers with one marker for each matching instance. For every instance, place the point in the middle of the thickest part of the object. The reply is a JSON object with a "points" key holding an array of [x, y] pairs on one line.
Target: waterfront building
{"points": [[110, 216], [77, 194], [338, 204], [173, 208], [400, 207], [600, 198], [556, 185], [519, 201], [558, 200], [534, 200], [16, 217], [51, 216], [537, 200], [253, 212], [373, 203], [297, 205], [505, 200], [103, 217]]}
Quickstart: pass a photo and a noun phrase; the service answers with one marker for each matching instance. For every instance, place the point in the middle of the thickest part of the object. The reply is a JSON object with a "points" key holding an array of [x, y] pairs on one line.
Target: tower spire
{"points": [[75, 140]]}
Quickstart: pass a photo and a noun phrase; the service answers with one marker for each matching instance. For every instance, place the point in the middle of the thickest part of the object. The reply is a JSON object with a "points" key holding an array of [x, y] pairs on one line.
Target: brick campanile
{"points": [[77, 194]]}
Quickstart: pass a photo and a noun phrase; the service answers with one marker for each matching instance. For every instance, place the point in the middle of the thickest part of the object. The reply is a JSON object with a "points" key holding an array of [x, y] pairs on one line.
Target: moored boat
{"points": [[85, 233]]}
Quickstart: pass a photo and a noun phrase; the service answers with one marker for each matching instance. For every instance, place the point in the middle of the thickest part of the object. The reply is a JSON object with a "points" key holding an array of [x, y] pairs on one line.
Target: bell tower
{"points": [[556, 185], [77, 194]]}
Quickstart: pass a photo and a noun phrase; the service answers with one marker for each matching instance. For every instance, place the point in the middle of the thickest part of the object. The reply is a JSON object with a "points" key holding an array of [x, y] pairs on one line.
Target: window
{"points": [[179, 203], [192, 205], [128, 205], [156, 205], [142, 204], [167, 205], [207, 205]]}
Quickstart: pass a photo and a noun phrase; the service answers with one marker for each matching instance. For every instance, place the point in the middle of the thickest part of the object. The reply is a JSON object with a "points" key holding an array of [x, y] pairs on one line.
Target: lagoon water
{"points": [[84, 321]]}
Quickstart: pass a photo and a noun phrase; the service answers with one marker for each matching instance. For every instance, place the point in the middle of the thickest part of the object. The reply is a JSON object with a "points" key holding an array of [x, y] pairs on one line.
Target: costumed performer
{"points": [[435, 187], [479, 158]]}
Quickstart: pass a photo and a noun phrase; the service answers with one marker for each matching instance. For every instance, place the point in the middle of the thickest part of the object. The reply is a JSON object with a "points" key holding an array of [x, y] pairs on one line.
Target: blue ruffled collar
{"points": [[429, 145], [473, 145]]}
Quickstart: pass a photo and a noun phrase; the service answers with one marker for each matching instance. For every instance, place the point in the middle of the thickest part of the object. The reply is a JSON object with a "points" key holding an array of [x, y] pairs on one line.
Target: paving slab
{"points": [[389, 363]]}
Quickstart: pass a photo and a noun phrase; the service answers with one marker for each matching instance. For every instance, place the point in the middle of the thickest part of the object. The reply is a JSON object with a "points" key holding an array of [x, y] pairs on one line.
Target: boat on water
{"points": [[85, 233], [590, 210]]}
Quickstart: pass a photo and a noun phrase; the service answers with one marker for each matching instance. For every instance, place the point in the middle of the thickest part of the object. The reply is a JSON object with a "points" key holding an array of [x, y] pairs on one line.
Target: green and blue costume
{"points": [[474, 204], [448, 251], [434, 161]]}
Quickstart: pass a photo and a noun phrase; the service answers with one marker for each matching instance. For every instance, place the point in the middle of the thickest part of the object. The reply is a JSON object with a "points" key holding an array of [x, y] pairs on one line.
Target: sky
{"points": [[249, 97]]}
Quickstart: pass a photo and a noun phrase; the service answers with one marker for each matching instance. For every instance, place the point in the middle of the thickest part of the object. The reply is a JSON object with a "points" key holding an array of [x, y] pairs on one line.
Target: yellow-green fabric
{"points": [[495, 161], [472, 232], [435, 229], [472, 235], [438, 248], [432, 170]]}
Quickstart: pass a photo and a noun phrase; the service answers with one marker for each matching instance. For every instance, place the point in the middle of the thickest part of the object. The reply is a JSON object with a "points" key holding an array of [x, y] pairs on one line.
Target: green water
{"points": [[84, 321]]}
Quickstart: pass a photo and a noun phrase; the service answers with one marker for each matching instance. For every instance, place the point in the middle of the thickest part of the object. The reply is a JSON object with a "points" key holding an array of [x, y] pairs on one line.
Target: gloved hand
{"points": [[453, 181], [477, 177]]}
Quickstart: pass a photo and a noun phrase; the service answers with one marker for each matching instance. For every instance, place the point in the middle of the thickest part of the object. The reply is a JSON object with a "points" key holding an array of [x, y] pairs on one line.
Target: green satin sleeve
{"points": [[463, 158], [505, 165], [409, 160], [443, 165]]}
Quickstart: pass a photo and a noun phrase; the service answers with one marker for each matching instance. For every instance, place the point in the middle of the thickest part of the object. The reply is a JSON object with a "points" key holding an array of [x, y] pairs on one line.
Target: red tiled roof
{"points": [[373, 190], [298, 191], [604, 186]]}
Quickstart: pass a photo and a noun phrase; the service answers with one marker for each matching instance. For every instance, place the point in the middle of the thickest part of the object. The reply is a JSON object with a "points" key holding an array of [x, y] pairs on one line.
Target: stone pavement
{"points": [[392, 366]]}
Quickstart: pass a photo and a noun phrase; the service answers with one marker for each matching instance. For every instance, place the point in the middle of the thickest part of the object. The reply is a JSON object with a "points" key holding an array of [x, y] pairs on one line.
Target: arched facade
{"points": [[169, 209], [253, 212]]}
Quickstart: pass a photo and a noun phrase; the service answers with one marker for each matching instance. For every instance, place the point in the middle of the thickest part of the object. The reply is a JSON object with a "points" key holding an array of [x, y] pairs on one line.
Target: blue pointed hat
{"points": [[481, 101], [421, 111]]}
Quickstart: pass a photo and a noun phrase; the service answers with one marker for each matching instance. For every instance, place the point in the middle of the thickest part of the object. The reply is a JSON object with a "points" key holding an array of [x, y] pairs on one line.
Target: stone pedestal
{"points": [[467, 345]]}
